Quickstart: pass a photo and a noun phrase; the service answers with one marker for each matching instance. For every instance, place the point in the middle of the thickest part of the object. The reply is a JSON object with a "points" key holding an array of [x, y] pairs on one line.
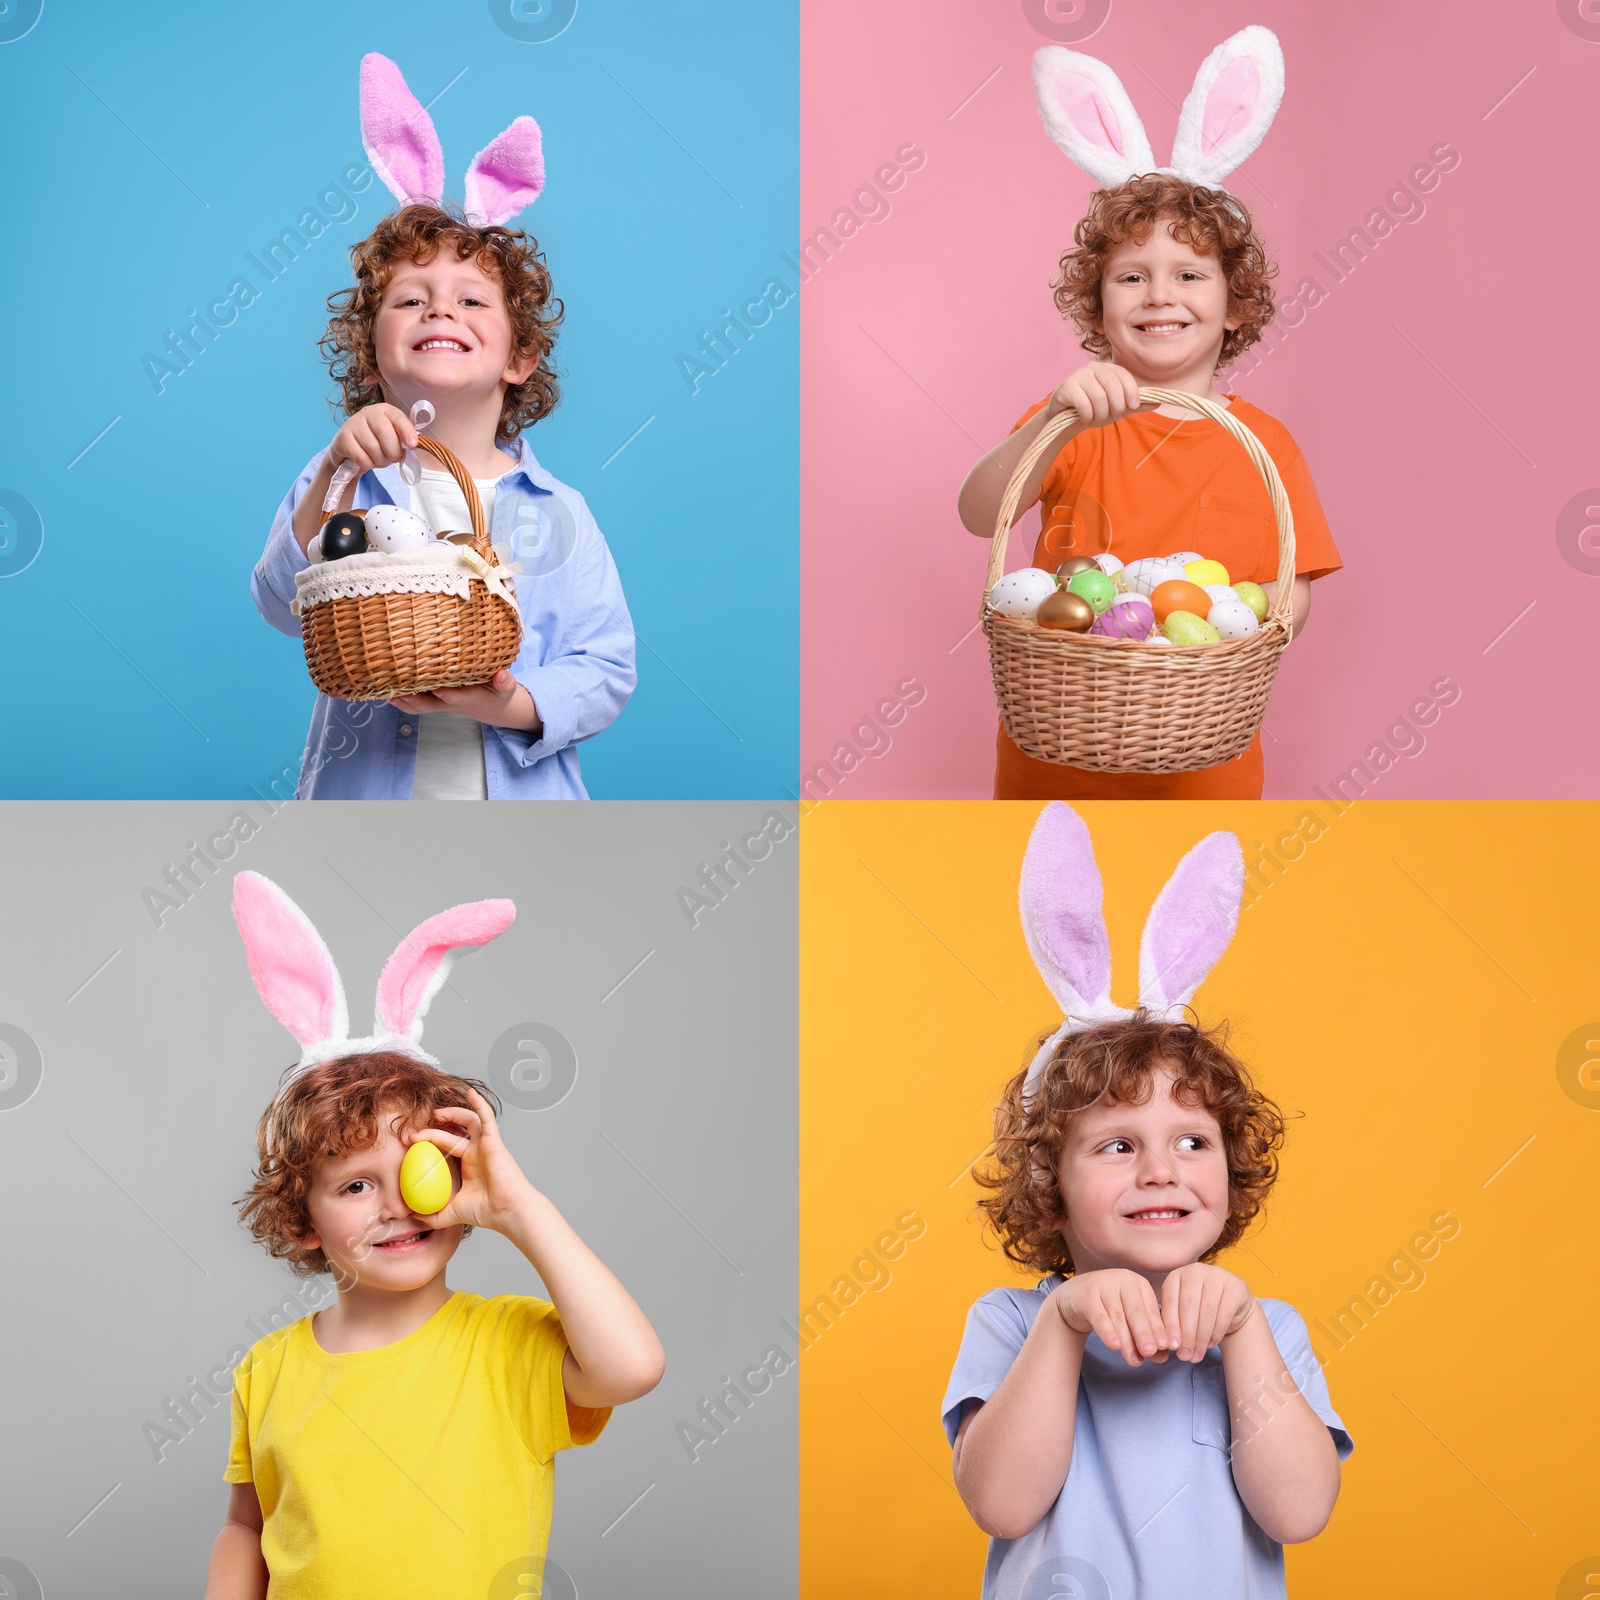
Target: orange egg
{"points": [[1178, 594]]}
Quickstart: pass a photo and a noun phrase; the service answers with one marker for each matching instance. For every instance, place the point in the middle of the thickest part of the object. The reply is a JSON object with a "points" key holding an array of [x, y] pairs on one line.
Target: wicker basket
{"points": [[1119, 705], [408, 639]]}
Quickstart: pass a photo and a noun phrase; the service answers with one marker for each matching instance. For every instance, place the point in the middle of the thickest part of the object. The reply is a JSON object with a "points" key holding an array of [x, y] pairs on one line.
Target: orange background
{"points": [[1406, 982]]}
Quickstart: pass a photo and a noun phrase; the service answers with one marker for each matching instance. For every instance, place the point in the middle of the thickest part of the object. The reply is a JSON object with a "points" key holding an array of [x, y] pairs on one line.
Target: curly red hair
{"points": [[1116, 1062], [416, 233], [326, 1112], [1209, 221]]}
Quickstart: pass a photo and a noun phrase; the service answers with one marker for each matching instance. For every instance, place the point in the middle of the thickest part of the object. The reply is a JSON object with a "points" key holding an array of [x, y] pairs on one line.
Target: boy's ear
{"points": [[520, 366]]}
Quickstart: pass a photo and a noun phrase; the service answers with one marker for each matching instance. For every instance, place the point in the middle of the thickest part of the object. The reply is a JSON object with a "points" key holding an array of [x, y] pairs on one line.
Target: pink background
{"points": [[1443, 395]]}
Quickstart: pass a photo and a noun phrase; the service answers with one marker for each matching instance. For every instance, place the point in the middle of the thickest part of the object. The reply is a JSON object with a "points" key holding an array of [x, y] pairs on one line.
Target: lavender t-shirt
{"points": [[1149, 1510]]}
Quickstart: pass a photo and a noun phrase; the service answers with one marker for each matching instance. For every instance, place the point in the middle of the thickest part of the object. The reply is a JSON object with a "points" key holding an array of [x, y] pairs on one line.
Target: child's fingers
{"points": [[1207, 1333], [484, 1109], [404, 425], [448, 1140], [387, 437], [1142, 1323], [1169, 1311], [459, 1114], [1188, 1313], [1112, 1325]]}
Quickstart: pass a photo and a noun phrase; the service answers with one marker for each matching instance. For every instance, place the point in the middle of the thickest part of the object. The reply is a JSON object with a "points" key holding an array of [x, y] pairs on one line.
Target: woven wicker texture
{"points": [[1119, 705], [374, 647]]}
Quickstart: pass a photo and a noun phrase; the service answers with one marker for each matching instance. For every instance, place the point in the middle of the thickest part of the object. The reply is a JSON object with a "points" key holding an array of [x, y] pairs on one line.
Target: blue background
{"points": [[149, 149]]}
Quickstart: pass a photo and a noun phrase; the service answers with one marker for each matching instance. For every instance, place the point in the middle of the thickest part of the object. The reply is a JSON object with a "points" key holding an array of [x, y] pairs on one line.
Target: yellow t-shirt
{"points": [[425, 1467]]}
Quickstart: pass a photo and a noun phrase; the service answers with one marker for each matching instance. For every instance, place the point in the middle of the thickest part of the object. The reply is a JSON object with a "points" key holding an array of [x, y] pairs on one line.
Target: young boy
{"points": [[1168, 281], [465, 318], [403, 1441], [1138, 1154]]}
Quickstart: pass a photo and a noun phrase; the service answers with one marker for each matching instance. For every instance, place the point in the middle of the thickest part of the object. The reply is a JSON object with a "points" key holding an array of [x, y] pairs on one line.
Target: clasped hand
{"points": [[1200, 1306]]}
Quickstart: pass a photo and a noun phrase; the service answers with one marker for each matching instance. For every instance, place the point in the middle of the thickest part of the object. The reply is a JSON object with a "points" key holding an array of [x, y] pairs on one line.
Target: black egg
{"points": [[343, 534]]}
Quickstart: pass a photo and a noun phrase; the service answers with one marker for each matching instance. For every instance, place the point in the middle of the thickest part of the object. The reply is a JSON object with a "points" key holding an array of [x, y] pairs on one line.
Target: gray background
{"points": [[125, 1271]]}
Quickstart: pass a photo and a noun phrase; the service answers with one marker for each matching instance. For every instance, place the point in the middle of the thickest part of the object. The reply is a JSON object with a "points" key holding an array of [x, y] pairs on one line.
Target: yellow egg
{"points": [[1204, 572], [425, 1178]]}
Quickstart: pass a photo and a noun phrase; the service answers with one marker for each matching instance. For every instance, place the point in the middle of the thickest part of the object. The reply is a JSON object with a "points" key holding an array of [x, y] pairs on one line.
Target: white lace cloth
{"points": [[429, 569]]}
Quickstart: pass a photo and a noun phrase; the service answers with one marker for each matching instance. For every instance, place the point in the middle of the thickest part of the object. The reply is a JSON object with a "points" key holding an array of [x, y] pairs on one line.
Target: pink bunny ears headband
{"points": [[506, 175], [1087, 112], [1063, 919], [297, 979]]}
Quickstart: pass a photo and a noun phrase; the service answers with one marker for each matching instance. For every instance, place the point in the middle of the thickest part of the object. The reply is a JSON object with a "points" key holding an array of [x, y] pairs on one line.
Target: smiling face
{"points": [[367, 1232], [443, 332], [1145, 1186], [1165, 309]]}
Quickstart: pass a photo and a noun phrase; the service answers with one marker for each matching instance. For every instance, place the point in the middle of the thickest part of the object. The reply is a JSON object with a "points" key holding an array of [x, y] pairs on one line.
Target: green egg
{"points": [[1094, 586], [1184, 627], [1255, 597], [425, 1178]]}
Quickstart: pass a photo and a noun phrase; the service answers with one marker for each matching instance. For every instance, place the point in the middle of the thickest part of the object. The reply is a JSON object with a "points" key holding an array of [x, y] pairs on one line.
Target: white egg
{"points": [[394, 528], [1233, 619], [1109, 564], [1144, 575], [1221, 591], [1020, 593], [1184, 557]]}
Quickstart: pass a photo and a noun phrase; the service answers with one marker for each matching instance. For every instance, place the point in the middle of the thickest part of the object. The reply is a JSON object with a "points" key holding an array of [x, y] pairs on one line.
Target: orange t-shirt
{"points": [[1146, 486]]}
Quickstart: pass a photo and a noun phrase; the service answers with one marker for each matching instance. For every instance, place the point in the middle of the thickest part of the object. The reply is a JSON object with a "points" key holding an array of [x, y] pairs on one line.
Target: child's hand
{"points": [[1200, 1306], [502, 702], [492, 1184], [1118, 1305], [376, 436], [1100, 393]]}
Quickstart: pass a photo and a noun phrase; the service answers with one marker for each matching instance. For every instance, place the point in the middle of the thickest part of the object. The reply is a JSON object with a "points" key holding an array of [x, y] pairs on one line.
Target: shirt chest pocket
{"points": [[1238, 531], [1211, 1405]]}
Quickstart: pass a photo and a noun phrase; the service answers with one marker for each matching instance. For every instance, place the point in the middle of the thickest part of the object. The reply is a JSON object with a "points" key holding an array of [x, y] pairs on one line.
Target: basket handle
{"points": [[480, 529], [1282, 600]]}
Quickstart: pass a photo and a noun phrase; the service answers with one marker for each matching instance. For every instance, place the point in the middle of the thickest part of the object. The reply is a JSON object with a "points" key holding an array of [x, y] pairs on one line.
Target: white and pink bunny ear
{"points": [[1063, 916], [1191, 923], [293, 971], [1088, 114], [506, 175], [398, 134], [1189, 926], [417, 970], [1236, 94]]}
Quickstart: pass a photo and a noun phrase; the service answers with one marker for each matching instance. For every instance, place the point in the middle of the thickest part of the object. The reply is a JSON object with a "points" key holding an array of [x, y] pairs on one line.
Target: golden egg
{"points": [[1073, 565], [1067, 610]]}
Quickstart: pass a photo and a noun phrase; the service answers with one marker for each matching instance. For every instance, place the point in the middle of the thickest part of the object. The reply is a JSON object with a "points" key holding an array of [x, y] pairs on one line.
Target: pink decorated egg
{"points": [[1130, 616]]}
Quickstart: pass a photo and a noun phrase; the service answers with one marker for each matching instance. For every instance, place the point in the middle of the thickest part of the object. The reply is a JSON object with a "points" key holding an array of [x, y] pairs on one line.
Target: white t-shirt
{"points": [[449, 746]]}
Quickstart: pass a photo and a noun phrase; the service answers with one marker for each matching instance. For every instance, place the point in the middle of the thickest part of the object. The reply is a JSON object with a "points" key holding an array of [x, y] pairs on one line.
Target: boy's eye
{"points": [[1193, 1141], [351, 1187], [1125, 1144]]}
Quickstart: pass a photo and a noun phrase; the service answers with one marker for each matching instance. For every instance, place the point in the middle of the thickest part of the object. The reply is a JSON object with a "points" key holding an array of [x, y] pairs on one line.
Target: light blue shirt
{"points": [[576, 658], [1149, 1510]]}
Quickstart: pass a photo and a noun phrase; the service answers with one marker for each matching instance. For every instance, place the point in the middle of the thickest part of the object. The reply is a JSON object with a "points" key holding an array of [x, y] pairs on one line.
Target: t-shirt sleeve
{"points": [[1294, 1345], [1315, 554], [529, 1352], [1029, 414], [996, 1330], [240, 1468]]}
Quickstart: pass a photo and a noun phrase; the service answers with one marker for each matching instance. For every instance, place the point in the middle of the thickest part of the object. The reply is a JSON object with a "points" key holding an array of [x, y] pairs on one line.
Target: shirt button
{"points": [[405, 729]]}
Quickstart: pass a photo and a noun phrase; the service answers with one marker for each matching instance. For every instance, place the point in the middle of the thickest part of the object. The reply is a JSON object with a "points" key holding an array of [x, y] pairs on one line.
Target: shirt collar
{"points": [[525, 464]]}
